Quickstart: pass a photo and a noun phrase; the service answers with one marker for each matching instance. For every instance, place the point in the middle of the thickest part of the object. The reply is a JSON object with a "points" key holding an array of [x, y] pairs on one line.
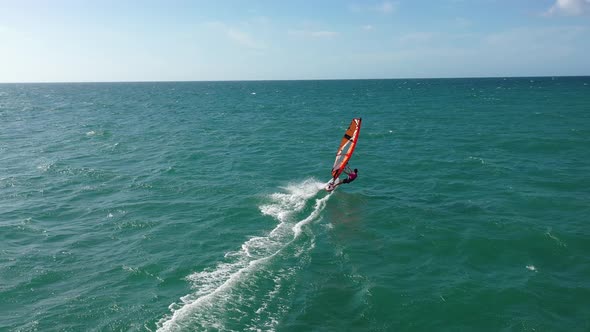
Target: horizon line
{"points": [[293, 80]]}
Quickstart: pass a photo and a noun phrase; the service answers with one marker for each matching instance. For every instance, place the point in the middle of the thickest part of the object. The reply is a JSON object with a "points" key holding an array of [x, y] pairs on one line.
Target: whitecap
{"points": [[45, 165], [478, 159]]}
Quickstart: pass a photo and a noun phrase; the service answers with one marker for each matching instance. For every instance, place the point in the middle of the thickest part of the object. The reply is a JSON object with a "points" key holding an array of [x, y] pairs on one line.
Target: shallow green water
{"points": [[199, 206]]}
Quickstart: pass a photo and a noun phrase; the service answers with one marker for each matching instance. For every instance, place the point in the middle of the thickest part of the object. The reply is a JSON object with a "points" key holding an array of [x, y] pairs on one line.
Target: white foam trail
{"points": [[210, 285], [319, 206], [286, 204], [193, 301]]}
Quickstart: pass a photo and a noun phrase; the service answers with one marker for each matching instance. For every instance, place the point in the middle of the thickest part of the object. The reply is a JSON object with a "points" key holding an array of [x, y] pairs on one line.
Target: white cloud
{"points": [[541, 39], [385, 7], [513, 52], [569, 8], [537, 50], [322, 34], [462, 23], [237, 36], [314, 34], [243, 38], [417, 37], [368, 27]]}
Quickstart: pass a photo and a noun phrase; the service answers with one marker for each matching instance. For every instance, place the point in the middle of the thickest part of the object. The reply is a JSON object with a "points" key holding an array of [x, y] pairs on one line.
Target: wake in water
{"points": [[250, 289]]}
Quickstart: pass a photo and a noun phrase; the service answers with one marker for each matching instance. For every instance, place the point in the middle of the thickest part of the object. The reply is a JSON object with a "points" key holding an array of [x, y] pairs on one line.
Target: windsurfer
{"points": [[351, 176], [343, 155]]}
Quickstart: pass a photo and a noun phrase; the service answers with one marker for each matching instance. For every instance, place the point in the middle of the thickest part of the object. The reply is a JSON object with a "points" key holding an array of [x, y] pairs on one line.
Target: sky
{"points": [[175, 40]]}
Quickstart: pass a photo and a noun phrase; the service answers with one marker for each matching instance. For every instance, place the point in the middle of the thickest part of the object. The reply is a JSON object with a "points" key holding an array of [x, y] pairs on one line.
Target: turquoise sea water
{"points": [[199, 206]]}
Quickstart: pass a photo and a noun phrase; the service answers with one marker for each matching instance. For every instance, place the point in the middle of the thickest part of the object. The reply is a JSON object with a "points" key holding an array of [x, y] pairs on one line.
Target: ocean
{"points": [[199, 206]]}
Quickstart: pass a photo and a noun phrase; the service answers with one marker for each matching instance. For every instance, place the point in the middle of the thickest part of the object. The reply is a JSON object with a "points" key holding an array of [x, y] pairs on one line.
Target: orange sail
{"points": [[346, 148]]}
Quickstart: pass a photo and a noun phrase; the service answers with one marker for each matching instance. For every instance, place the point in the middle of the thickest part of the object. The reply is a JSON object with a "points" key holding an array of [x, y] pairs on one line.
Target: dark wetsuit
{"points": [[351, 177]]}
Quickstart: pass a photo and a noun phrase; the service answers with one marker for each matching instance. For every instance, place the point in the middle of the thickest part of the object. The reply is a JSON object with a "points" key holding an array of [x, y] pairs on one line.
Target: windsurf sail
{"points": [[346, 148]]}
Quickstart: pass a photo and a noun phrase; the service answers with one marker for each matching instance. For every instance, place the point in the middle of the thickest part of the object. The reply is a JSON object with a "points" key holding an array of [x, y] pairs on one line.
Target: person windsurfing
{"points": [[343, 155], [352, 175]]}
